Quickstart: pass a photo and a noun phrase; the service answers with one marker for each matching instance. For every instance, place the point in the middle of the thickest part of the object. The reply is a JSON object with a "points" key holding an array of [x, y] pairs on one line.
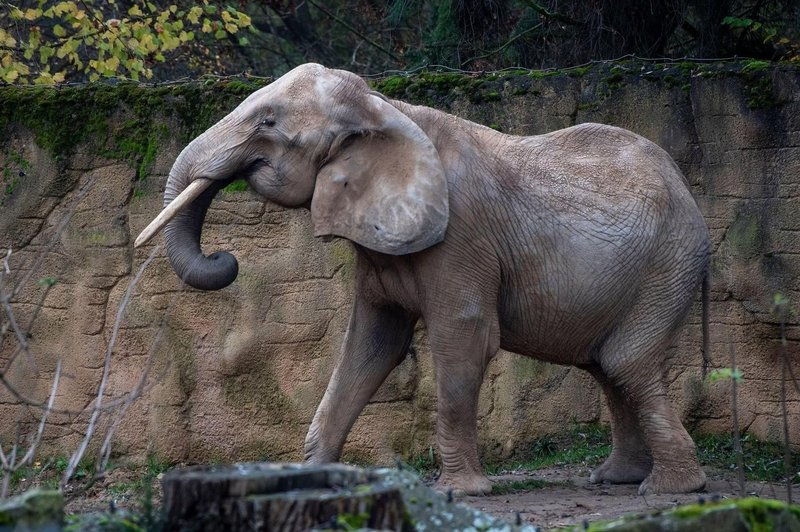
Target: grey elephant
{"points": [[581, 247]]}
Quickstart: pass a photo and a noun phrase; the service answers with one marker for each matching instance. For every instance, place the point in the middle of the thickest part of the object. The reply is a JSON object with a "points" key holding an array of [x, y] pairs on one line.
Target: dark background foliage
{"points": [[375, 36], [371, 36]]}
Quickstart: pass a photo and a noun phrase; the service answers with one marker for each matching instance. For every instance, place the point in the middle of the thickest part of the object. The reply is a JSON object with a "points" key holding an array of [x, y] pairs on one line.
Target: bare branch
{"points": [[35, 444], [23, 342], [354, 31], [81, 450], [36, 311], [105, 449]]}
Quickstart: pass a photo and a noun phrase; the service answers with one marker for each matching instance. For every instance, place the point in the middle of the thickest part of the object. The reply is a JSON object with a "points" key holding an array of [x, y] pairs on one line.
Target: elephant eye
{"points": [[268, 121]]}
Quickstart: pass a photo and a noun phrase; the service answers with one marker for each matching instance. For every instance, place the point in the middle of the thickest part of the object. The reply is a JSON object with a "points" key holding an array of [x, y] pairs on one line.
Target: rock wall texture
{"points": [[238, 373]]}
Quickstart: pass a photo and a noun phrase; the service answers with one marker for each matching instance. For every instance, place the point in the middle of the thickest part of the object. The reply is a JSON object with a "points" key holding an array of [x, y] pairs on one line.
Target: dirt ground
{"points": [[568, 499], [573, 500]]}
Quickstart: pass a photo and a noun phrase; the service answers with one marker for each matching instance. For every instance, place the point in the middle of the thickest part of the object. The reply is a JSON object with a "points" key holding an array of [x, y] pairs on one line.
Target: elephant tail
{"points": [[705, 348]]}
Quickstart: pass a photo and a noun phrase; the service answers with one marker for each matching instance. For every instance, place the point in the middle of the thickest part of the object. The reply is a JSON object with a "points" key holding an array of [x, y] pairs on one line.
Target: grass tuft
{"points": [[582, 444]]}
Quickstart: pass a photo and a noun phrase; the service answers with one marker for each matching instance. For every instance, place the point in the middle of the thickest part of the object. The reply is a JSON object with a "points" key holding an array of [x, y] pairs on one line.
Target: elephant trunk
{"points": [[182, 233]]}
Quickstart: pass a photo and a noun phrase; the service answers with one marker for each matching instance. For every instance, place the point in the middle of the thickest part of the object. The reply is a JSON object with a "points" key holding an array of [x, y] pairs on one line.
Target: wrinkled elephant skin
{"points": [[581, 247]]}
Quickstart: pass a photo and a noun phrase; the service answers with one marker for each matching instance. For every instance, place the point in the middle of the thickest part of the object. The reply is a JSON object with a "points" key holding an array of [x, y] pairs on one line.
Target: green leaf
{"points": [[47, 281], [736, 22], [725, 374], [194, 14], [59, 31], [220, 34]]}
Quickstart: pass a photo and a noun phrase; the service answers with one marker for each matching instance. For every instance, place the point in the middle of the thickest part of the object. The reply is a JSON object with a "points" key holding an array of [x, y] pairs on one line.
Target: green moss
{"points": [[238, 185], [760, 92], [126, 122], [342, 253], [15, 168], [541, 74], [578, 72], [760, 515], [745, 235], [33, 510], [755, 66], [393, 86]]}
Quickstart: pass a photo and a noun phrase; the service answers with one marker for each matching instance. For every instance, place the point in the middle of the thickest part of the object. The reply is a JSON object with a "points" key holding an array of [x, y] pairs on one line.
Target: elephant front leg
{"points": [[461, 351], [376, 342]]}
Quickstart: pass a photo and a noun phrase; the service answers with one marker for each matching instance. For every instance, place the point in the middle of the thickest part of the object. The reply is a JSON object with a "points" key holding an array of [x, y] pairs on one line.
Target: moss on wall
{"points": [[126, 121], [439, 89], [129, 121]]}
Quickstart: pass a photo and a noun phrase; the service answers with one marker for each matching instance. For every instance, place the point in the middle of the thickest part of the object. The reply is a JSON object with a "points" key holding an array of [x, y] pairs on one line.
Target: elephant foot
{"points": [[618, 470], [463, 484], [685, 479]]}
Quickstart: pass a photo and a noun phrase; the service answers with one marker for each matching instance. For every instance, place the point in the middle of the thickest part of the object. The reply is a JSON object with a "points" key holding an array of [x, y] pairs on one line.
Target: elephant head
{"points": [[314, 137]]}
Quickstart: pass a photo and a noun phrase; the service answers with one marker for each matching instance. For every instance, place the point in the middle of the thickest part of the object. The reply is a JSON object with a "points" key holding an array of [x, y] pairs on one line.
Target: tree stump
{"points": [[279, 497]]}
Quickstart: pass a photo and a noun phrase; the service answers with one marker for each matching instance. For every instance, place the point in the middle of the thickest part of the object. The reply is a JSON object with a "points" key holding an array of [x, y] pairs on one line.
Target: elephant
{"points": [[581, 247]]}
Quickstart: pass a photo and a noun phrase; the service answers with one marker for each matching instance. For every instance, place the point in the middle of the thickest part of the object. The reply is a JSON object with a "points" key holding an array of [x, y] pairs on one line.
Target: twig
{"points": [[737, 442], [504, 46], [23, 342], [9, 466], [787, 450], [354, 31], [105, 449], [28, 329], [81, 450]]}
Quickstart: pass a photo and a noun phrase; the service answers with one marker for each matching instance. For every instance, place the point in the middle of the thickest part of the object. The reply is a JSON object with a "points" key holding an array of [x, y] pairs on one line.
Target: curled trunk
{"points": [[182, 235]]}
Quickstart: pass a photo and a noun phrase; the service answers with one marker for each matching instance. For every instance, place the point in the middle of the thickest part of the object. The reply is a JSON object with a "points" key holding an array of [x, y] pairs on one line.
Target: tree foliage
{"points": [[51, 42], [369, 37]]}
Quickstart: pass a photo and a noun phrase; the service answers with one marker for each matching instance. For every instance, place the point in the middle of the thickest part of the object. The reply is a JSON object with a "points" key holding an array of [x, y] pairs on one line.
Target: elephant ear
{"points": [[384, 187]]}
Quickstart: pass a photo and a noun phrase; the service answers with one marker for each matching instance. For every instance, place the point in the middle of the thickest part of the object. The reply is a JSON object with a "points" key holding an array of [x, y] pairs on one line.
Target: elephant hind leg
{"points": [[630, 460], [632, 360]]}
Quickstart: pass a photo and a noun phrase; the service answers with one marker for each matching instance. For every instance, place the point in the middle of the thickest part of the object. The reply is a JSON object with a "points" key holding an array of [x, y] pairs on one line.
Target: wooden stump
{"points": [[283, 497]]}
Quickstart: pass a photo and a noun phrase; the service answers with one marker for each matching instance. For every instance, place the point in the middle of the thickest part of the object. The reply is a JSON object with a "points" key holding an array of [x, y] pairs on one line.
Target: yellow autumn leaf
{"points": [[227, 16], [44, 78], [206, 26], [112, 63], [10, 76], [231, 27], [32, 14], [135, 11], [6, 39], [58, 77], [194, 14]]}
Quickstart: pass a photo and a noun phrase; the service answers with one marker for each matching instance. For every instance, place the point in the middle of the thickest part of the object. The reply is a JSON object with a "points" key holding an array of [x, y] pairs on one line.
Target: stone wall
{"points": [[239, 372]]}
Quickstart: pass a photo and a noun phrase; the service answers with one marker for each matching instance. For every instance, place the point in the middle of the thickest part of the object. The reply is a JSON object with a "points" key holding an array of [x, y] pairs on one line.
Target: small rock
{"points": [[36, 509]]}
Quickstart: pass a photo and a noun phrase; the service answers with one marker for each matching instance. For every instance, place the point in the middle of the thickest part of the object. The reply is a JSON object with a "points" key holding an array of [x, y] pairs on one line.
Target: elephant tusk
{"points": [[170, 211]]}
